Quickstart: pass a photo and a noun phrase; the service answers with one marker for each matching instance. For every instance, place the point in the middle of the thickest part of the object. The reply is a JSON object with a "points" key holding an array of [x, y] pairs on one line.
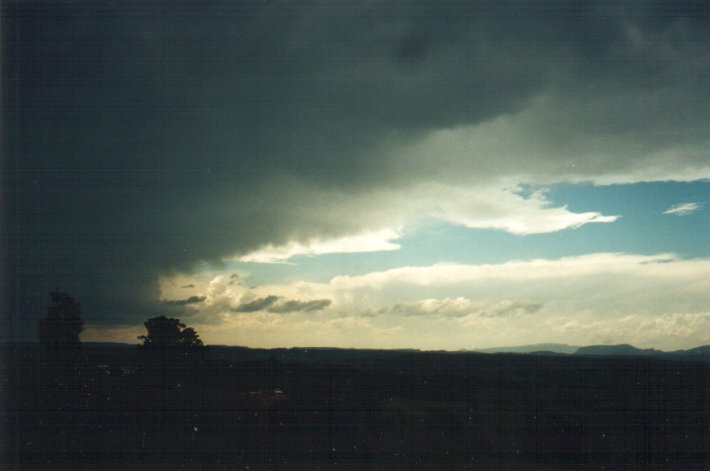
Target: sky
{"points": [[433, 175]]}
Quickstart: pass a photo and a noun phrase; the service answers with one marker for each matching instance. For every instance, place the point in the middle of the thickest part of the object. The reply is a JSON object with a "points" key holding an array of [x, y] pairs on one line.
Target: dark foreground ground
{"points": [[339, 409]]}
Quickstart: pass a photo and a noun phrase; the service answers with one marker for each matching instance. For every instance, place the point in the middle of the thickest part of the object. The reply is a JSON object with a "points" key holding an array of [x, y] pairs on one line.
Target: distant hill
{"points": [[319, 355], [617, 350], [534, 348], [698, 353]]}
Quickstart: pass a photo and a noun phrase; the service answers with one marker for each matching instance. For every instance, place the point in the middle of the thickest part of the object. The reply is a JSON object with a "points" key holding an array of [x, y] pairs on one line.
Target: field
{"points": [[236, 408]]}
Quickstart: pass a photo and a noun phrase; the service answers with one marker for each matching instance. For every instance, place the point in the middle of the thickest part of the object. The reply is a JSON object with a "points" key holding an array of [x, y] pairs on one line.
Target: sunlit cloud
{"points": [[567, 268], [368, 242], [507, 210], [461, 307], [655, 300], [496, 207], [683, 209]]}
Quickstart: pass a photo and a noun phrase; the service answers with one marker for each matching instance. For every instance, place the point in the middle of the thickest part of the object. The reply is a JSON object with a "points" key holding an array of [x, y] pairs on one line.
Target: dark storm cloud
{"points": [[184, 302], [300, 306], [257, 305], [140, 138], [412, 48]]}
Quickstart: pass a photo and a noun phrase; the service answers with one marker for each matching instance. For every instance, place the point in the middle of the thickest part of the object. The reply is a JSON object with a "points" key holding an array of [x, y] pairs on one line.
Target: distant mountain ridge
{"points": [[698, 353], [533, 348], [622, 349], [307, 354]]}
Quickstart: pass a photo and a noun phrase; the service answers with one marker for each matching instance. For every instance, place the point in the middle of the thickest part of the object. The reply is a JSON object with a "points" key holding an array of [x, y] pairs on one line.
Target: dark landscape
{"points": [[428, 188], [115, 406]]}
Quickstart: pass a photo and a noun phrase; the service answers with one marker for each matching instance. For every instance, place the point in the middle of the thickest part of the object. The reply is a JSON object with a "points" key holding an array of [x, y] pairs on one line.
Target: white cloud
{"points": [[606, 283], [669, 331], [455, 307], [505, 209], [683, 209], [462, 307], [647, 300], [676, 327], [378, 241], [567, 268], [390, 214]]}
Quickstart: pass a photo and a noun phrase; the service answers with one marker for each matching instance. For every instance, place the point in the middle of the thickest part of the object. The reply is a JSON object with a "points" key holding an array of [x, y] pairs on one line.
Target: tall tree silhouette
{"points": [[168, 332], [63, 324]]}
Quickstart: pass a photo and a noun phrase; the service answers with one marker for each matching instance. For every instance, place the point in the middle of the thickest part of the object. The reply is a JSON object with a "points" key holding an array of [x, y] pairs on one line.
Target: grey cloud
{"points": [[149, 138], [417, 310], [234, 278], [184, 302], [188, 286], [273, 304], [447, 307], [258, 304], [300, 306], [462, 307], [511, 308]]}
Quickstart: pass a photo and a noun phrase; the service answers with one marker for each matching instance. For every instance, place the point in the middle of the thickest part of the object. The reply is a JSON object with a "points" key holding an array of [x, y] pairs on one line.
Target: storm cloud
{"points": [[259, 304], [273, 303], [142, 139], [300, 306], [184, 302]]}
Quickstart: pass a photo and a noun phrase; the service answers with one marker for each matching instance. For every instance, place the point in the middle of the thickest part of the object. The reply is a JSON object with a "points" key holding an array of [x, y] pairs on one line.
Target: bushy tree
{"points": [[168, 332], [63, 324]]}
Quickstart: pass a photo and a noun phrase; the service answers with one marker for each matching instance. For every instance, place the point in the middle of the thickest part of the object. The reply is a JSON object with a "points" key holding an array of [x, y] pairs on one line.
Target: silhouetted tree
{"points": [[169, 332], [63, 324]]}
